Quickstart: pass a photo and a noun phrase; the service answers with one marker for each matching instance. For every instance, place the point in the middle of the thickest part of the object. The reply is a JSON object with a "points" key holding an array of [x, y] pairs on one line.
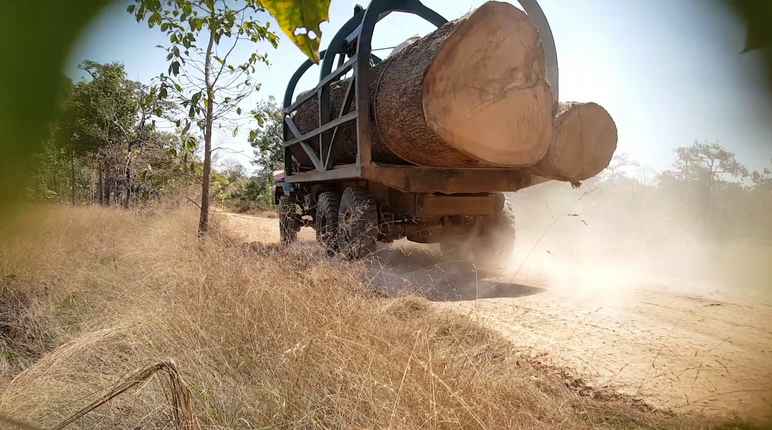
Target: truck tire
{"points": [[494, 241], [326, 221], [357, 223], [289, 220]]}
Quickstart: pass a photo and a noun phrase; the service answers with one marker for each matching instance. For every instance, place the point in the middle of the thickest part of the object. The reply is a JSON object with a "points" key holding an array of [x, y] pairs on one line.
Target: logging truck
{"points": [[423, 144]]}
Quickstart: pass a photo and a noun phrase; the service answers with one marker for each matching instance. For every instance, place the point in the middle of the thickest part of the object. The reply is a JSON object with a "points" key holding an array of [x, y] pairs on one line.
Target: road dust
{"points": [[625, 300], [651, 308]]}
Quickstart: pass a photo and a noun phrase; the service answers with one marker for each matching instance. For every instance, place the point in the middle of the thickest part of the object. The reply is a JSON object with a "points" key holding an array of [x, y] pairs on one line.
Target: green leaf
{"points": [[193, 103], [294, 15], [190, 142], [238, 111], [131, 8]]}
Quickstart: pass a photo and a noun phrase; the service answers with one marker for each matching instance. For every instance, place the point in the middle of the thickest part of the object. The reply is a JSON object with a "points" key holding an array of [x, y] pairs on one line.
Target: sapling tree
{"points": [[207, 77]]}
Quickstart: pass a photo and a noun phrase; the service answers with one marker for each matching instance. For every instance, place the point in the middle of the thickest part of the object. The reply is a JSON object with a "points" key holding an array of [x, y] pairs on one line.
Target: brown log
{"points": [[472, 93], [585, 138]]}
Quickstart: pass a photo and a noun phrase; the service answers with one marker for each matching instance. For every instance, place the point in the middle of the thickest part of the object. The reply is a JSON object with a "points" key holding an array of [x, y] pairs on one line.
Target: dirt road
{"points": [[688, 348]]}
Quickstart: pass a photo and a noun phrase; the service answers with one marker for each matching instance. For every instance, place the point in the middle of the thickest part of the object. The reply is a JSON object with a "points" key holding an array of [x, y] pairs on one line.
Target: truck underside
{"points": [[350, 217]]}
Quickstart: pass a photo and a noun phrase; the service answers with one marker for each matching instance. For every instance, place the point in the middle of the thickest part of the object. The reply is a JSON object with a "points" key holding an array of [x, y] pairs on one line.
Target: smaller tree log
{"points": [[584, 140]]}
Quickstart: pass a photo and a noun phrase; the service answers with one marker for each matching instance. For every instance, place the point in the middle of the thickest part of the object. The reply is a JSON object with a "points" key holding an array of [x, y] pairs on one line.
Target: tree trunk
{"points": [[472, 93], [584, 140], [203, 220], [72, 177], [127, 200], [55, 176], [100, 185]]}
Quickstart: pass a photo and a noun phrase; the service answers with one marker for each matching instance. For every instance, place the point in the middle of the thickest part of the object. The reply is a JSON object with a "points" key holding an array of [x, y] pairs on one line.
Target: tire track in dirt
{"points": [[673, 352]]}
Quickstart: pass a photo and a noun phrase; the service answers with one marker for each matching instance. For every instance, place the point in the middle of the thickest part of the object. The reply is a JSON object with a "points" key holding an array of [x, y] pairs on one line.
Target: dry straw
{"points": [[175, 390]]}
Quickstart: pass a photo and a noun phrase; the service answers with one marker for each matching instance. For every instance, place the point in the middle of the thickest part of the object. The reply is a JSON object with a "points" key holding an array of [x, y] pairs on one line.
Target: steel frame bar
{"points": [[357, 33], [414, 179], [330, 125]]}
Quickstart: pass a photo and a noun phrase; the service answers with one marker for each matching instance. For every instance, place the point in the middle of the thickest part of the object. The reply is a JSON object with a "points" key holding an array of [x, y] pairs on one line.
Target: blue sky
{"points": [[669, 72]]}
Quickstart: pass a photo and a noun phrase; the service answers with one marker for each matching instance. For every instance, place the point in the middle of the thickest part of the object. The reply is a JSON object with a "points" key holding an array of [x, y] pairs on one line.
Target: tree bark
{"points": [[127, 172], [72, 177], [100, 185], [203, 220], [584, 140], [472, 93]]}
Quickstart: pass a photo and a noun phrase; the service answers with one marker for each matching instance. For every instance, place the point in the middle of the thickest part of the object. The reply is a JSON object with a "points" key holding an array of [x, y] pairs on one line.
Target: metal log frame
{"points": [[355, 37]]}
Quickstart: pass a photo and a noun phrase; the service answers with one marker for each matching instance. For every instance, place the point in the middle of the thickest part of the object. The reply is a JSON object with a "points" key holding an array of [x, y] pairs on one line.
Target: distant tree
{"points": [[705, 184], [267, 140], [708, 164], [614, 173], [233, 170], [98, 123], [204, 78], [762, 179], [104, 136]]}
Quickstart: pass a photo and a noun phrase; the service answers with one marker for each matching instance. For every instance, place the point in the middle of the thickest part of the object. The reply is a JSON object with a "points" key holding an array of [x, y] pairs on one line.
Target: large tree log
{"points": [[584, 140], [472, 93]]}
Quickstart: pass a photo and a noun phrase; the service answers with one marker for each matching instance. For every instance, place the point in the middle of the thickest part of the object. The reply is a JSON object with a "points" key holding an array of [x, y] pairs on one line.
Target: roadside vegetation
{"points": [[261, 338]]}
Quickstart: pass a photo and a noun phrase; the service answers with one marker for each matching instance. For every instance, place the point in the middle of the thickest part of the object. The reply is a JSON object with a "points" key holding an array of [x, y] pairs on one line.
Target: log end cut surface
{"points": [[585, 141], [486, 92]]}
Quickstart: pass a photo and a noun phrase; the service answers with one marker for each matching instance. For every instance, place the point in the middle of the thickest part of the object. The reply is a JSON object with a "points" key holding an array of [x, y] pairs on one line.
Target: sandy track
{"points": [[686, 349], [680, 352]]}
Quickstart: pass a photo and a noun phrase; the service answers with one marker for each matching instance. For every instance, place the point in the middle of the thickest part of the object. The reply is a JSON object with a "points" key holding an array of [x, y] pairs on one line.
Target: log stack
{"points": [[473, 93]]}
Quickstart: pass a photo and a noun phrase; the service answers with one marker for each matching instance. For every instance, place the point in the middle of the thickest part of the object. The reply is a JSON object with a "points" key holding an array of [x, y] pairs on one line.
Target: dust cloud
{"points": [[602, 242]]}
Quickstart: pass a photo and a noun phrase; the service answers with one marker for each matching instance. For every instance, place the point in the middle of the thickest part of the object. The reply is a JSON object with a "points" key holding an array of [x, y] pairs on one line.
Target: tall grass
{"points": [[262, 338]]}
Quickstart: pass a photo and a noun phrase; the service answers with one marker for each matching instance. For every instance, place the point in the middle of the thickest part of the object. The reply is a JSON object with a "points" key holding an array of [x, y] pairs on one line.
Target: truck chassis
{"points": [[354, 206]]}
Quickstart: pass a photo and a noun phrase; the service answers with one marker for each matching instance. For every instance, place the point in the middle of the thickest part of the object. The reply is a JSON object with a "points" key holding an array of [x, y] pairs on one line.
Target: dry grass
{"points": [[263, 338]]}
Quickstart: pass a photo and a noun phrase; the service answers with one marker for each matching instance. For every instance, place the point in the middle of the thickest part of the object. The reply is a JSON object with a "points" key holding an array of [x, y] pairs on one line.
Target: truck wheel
{"points": [[289, 220], [326, 221], [357, 223], [495, 240]]}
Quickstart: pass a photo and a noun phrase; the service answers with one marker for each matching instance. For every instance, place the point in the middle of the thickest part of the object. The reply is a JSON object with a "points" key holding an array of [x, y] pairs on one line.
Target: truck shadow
{"points": [[417, 270]]}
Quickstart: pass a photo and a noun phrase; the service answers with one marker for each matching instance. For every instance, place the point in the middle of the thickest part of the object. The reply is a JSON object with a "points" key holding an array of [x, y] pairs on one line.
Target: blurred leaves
{"points": [[757, 16], [300, 20], [35, 40]]}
